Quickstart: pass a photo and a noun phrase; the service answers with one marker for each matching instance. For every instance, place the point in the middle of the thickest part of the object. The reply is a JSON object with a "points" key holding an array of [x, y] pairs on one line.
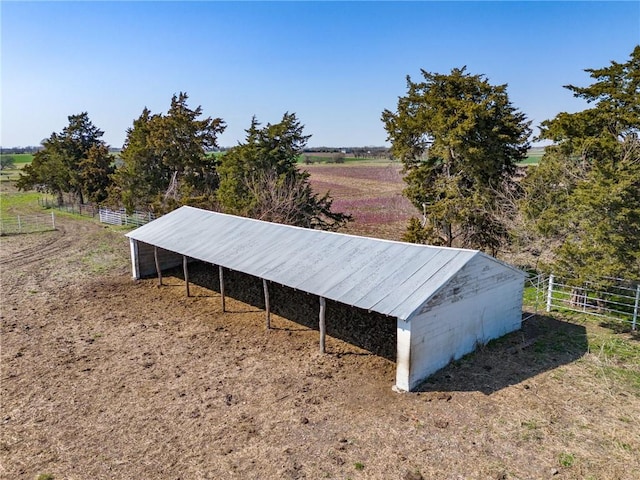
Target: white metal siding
{"points": [[403, 356], [480, 303]]}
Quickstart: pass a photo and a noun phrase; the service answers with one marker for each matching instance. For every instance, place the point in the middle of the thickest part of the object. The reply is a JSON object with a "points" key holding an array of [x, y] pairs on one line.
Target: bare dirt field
{"points": [[371, 192], [103, 377]]}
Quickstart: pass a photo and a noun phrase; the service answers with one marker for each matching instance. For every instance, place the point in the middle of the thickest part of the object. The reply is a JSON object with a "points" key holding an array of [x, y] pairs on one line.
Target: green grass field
{"points": [[14, 203], [533, 156], [19, 159]]}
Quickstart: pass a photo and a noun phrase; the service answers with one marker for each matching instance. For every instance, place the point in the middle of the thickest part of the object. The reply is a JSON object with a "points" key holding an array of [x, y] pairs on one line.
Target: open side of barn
{"points": [[445, 301]]}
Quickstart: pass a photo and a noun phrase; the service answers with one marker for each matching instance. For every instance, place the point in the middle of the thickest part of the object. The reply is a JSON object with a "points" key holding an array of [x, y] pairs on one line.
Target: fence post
{"points": [[635, 308], [53, 220], [550, 293], [19, 225]]}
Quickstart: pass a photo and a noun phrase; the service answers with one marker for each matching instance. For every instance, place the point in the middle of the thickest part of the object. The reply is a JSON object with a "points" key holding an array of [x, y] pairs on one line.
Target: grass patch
{"points": [[19, 161], [566, 459], [13, 203], [613, 356], [19, 158], [533, 156], [616, 357], [101, 259]]}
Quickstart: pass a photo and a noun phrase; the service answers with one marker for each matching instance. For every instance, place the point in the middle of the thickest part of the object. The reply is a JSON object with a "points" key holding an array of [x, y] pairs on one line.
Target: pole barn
{"points": [[446, 301]]}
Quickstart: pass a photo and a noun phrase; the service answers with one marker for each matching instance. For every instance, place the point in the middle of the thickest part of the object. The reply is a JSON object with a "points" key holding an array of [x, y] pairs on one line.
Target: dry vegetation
{"points": [[104, 377]]}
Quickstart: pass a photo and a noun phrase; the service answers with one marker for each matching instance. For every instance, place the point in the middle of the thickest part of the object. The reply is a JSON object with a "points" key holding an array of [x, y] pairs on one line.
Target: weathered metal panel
{"points": [[145, 262], [422, 284], [482, 301], [393, 278], [364, 260]]}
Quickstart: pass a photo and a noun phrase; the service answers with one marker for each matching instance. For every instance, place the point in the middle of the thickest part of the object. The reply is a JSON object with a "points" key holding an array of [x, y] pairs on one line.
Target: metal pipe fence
{"points": [[27, 224], [121, 217], [86, 209], [611, 298]]}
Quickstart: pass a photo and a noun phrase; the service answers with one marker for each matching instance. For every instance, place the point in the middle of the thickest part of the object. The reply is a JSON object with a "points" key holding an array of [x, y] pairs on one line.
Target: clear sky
{"points": [[337, 65]]}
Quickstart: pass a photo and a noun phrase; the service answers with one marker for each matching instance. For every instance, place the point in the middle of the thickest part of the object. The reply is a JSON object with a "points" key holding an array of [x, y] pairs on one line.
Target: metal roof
{"points": [[392, 278]]}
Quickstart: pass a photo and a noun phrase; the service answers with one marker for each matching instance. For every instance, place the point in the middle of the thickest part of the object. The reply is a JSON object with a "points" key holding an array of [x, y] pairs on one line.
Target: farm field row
{"points": [[371, 193]]}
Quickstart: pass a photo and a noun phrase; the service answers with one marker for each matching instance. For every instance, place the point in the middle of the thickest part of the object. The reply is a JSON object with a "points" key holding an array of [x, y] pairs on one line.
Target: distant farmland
{"points": [[370, 191], [19, 158]]}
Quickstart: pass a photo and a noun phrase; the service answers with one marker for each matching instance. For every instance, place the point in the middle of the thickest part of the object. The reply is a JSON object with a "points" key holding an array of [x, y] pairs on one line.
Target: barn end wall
{"points": [[143, 260], [482, 301]]}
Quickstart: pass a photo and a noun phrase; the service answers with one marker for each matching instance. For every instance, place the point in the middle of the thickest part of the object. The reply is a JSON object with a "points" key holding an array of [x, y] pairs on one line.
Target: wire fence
{"points": [[27, 224], [85, 209], [610, 298]]}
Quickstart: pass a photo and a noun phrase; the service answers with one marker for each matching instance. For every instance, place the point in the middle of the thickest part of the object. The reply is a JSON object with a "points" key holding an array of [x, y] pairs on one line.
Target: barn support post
{"points": [[185, 268], [323, 329], [221, 275], [267, 308], [158, 269]]}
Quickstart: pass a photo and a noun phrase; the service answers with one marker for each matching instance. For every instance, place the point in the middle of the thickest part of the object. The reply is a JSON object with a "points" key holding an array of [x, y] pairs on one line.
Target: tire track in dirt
{"points": [[47, 248], [37, 252]]}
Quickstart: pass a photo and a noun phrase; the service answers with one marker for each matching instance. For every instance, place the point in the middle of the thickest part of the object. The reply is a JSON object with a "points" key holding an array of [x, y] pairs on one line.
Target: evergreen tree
{"points": [[72, 161], [585, 194], [140, 177], [96, 169], [166, 159], [260, 178], [459, 139]]}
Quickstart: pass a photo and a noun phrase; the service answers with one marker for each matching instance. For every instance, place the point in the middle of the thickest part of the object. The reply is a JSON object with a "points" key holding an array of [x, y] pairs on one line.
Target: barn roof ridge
{"points": [[327, 231], [386, 276]]}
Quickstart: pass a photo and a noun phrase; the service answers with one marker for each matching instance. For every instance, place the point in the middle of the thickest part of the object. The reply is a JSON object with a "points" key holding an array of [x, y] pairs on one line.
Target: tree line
{"points": [[168, 160], [459, 139]]}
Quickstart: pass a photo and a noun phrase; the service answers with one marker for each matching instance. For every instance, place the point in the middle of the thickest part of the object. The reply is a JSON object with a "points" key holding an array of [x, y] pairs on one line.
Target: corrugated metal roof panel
{"points": [[393, 278]]}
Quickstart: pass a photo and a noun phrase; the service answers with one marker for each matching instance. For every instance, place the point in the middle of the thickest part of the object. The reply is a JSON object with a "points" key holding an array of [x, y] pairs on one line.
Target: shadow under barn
{"points": [[370, 331], [543, 343]]}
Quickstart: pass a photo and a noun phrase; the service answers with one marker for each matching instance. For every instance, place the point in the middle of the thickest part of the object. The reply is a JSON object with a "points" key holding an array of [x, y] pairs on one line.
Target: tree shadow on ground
{"points": [[542, 344], [370, 331]]}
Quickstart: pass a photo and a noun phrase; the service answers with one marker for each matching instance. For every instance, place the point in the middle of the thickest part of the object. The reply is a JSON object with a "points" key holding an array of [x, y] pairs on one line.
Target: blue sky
{"points": [[337, 65]]}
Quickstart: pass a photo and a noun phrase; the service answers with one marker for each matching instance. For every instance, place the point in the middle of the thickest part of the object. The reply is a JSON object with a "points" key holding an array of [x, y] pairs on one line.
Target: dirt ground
{"points": [[103, 377]]}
